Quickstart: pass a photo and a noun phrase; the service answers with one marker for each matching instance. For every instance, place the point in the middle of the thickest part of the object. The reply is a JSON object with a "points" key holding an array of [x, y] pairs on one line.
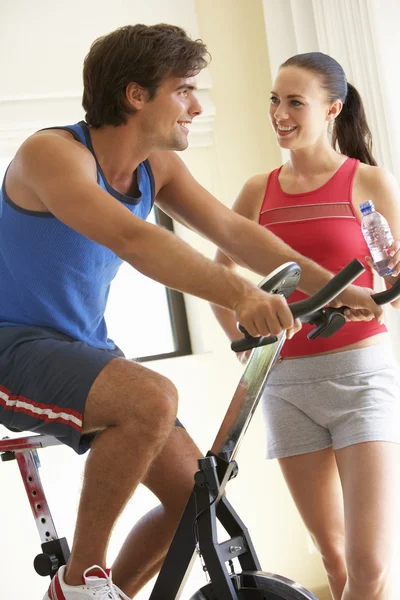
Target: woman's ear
{"points": [[334, 110]]}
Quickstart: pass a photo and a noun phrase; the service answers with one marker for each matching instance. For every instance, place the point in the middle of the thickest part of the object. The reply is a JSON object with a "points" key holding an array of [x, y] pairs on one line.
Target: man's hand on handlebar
{"points": [[361, 305], [263, 314], [243, 357]]}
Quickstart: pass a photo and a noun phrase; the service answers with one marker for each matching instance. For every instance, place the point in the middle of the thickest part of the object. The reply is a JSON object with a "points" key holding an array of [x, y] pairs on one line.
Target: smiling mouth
{"points": [[285, 130], [184, 124]]}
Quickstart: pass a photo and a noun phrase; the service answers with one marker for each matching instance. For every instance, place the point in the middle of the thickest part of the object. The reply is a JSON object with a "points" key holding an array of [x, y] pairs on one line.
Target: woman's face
{"points": [[299, 109]]}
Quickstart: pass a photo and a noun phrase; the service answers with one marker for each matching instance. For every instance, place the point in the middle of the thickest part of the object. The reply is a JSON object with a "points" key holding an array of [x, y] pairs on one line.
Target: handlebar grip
{"points": [[329, 292], [243, 344], [387, 296]]}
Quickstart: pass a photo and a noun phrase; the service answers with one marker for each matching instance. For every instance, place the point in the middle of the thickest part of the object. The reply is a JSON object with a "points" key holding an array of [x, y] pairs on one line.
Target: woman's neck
{"points": [[312, 162]]}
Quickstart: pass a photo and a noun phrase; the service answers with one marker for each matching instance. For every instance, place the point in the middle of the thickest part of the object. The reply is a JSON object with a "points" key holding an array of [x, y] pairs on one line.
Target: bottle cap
{"points": [[367, 206]]}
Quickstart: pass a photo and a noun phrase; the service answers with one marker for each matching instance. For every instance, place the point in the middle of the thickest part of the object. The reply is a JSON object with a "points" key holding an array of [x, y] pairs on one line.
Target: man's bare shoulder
{"points": [[41, 154], [63, 133], [47, 149], [60, 141]]}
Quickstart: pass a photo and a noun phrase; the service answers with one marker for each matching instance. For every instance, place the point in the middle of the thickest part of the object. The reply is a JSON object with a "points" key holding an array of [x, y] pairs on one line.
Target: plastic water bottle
{"points": [[378, 236]]}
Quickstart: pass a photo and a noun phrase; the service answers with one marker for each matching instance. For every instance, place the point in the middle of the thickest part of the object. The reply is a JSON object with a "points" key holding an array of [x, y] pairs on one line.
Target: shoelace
{"points": [[103, 587]]}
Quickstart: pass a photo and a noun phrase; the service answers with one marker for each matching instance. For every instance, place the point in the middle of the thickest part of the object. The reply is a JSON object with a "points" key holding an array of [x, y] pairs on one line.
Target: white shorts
{"points": [[333, 400]]}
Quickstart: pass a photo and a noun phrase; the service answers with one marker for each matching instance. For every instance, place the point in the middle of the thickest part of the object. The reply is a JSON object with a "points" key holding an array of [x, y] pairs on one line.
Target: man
{"points": [[73, 207]]}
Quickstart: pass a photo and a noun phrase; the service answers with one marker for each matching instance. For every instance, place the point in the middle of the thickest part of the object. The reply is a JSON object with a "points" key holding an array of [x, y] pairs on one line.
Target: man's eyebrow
{"points": [[186, 86]]}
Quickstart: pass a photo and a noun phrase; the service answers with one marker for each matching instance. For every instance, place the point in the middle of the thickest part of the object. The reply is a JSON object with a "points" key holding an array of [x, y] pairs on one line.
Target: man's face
{"points": [[166, 118]]}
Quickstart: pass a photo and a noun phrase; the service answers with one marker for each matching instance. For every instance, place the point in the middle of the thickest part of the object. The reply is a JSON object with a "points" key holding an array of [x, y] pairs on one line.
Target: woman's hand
{"points": [[394, 263], [360, 305]]}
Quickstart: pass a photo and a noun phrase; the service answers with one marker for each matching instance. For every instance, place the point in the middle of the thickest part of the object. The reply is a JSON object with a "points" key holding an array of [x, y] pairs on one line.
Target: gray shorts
{"points": [[45, 378], [333, 400]]}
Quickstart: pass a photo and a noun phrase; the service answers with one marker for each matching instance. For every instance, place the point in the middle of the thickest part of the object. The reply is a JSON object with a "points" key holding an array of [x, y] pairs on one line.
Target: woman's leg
{"points": [[314, 484], [370, 475]]}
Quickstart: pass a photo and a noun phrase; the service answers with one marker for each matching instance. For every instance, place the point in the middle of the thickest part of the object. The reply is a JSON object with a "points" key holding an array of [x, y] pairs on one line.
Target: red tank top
{"points": [[323, 226]]}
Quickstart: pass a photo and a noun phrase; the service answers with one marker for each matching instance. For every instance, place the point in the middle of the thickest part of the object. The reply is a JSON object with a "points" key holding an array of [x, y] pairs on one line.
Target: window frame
{"points": [[176, 308]]}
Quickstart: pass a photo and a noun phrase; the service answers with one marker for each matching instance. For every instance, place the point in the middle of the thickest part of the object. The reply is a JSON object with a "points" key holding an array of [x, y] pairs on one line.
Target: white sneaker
{"points": [[97, 585]]}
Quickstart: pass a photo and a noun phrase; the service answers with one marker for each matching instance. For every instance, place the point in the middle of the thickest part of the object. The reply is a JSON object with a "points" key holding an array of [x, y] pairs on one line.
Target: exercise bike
{"points": [[197, 530]]}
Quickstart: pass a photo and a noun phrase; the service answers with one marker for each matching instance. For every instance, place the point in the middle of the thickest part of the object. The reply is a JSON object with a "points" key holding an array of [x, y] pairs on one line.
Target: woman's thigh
{"points": [[314, 484], [369, 474]]}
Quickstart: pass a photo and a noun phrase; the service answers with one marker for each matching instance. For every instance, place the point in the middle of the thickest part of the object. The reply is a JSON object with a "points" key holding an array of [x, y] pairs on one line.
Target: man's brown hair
{"points": [[135, 53]]}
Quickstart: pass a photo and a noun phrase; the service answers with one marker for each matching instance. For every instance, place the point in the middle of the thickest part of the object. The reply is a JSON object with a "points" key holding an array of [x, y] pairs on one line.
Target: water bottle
{"points": [[378, 236]]}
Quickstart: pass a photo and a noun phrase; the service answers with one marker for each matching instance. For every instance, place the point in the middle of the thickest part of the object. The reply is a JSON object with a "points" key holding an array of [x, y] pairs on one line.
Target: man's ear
{"points": [[334, 111], [136, 95]]}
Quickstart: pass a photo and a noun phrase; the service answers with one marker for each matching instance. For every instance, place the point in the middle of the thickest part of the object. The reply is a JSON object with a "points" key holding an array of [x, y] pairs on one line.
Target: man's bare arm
{"points": [[243, 240], [64, 181]]}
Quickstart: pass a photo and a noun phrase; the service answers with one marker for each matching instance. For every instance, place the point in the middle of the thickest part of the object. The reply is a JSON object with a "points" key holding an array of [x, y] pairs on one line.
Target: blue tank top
{"points": [[51, 275]]}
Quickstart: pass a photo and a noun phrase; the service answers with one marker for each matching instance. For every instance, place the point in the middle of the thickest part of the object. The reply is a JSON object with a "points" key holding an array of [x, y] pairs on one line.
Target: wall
{"points": [[41, 86], [43, 45], [245, 145]]}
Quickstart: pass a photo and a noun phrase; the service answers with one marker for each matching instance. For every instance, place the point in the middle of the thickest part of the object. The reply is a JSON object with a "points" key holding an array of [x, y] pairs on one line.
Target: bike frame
{"points": [[182, 553]]}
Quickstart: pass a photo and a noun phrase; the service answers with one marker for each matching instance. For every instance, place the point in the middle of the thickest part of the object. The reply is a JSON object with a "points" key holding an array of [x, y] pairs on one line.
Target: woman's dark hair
{"points": [[136, 53], [351, 134]]}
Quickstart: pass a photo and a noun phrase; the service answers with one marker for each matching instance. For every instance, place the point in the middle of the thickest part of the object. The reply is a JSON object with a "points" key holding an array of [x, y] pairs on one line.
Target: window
{"points": [[152, 324], [146, 320]]}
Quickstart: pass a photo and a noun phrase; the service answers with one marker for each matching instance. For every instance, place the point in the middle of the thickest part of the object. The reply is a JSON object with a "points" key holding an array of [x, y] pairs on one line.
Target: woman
{"points": [[331, 406]]}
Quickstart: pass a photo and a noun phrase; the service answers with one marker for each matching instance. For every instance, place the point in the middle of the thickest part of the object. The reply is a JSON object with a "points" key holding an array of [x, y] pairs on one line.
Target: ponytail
{"points": [[351, 134]]}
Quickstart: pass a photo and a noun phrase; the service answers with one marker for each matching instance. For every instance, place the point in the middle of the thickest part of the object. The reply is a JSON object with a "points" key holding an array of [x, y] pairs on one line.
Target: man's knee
{"points": [[126, 394], [160, 404]]}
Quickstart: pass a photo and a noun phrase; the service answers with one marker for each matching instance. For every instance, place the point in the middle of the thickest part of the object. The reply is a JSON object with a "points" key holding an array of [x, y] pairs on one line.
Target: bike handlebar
{"points": [[387, 296], [309, 309], [329, 292]]}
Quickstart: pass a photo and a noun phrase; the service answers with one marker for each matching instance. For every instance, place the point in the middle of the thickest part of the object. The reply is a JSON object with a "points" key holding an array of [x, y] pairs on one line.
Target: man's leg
{"points": [[135, 408], [171, 479]]}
